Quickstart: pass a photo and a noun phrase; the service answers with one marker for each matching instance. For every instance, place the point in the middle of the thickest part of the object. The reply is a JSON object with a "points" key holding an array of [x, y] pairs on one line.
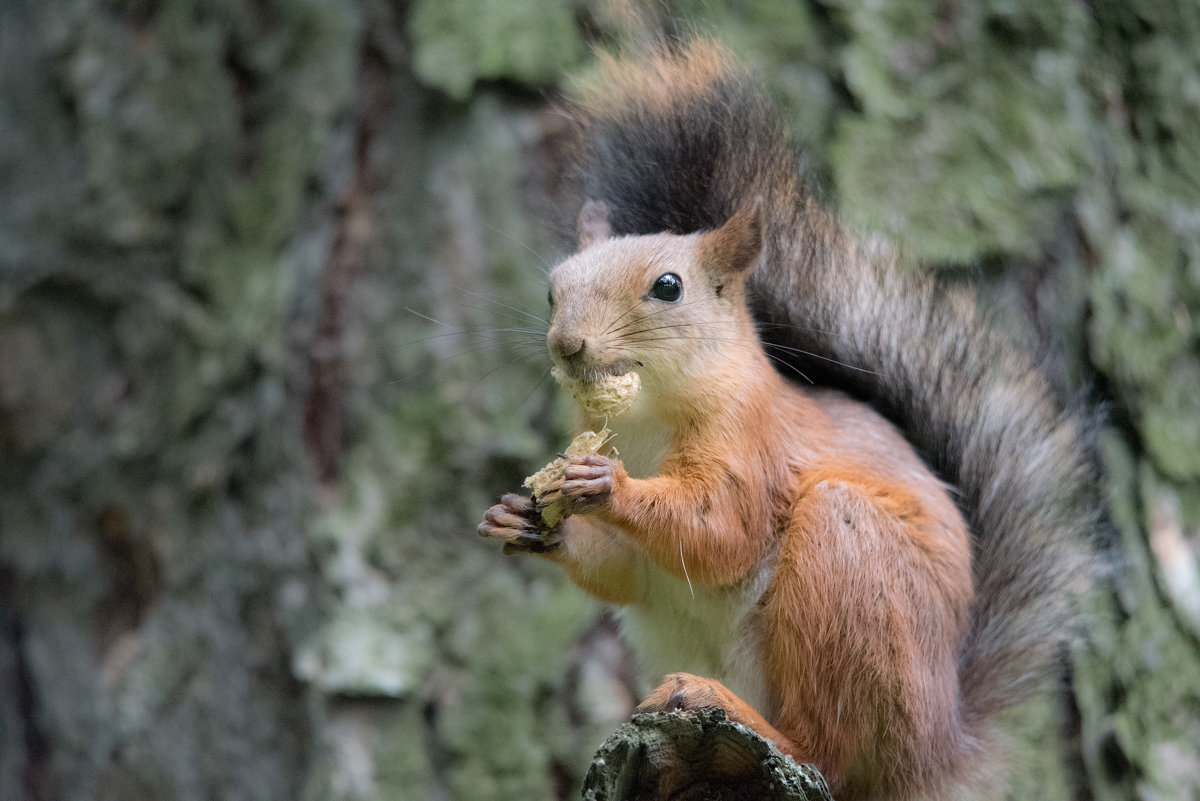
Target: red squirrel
{"points": [[864, 569]]}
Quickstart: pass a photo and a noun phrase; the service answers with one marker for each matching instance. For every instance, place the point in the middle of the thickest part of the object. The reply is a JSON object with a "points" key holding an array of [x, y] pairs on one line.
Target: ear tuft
{"points": [[736, 245], [593, 224]]}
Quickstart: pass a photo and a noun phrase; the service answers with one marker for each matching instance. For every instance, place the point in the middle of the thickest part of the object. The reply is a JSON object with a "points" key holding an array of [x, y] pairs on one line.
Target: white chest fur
{"points": [[681, 625], [713, 632]]}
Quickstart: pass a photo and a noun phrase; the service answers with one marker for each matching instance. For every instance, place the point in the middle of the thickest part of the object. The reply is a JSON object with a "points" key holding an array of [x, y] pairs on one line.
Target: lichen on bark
{"points": [[214, 583]]}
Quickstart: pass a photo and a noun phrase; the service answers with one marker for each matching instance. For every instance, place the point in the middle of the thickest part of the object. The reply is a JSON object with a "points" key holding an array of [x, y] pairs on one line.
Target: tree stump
{"points": [[696, 756]]}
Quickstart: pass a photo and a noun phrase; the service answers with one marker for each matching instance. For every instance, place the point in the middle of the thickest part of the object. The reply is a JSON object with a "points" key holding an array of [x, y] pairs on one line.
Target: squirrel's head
{"points": [[670, 307]]}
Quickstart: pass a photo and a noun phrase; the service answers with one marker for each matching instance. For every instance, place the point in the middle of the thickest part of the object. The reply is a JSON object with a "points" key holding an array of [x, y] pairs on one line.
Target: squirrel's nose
{"points": [[566, 346]]}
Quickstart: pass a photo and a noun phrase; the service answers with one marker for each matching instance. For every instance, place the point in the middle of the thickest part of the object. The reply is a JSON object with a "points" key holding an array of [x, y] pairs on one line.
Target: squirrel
{"points": [[846, 510]]}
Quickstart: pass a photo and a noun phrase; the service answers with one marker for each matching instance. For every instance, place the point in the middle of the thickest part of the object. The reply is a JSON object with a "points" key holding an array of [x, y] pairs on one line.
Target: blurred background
{"points": [[267, 271]]}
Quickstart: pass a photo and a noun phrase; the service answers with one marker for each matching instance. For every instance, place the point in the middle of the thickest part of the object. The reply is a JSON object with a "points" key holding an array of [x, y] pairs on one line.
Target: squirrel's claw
{"points": [[587, 485], [683, 692], [517, 521], [533, 543]]}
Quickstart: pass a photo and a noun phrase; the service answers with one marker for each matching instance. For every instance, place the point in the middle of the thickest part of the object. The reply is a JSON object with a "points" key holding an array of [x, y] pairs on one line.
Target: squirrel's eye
{"points": [[668, 287], [550, 298]]}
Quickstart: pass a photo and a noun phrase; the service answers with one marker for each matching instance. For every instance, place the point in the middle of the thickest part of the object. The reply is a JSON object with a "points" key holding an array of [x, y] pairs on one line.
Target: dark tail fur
{"points": [[677, 140]]}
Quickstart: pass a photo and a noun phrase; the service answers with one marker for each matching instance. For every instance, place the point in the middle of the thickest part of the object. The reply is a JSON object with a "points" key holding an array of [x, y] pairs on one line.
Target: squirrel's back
{"points": [[678, 139]]}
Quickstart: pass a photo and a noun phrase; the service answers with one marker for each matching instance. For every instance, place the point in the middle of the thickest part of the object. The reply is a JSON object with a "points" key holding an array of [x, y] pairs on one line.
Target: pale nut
{"points": [[610, 396], [550, 476]]}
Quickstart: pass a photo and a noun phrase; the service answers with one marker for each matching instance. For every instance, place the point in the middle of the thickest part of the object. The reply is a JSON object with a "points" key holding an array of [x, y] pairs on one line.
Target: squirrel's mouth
{"points": [[595, 373]]}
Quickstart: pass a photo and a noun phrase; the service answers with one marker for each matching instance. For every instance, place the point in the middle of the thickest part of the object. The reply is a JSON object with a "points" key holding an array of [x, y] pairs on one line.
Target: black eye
{"points": [[550, 298], [668, 287]]}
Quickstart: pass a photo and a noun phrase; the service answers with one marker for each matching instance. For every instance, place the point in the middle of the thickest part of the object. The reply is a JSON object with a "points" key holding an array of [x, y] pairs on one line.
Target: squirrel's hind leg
{"points": [[681, 692], [861, 629]]}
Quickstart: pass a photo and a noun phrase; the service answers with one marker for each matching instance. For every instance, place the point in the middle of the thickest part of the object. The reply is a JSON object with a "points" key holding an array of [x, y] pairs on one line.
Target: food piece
{"points": [[609, 397], [551, 475]]}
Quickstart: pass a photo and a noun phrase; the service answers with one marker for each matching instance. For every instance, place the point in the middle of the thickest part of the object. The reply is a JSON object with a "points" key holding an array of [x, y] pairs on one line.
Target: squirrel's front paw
{"points": [[587, 485], [517, 521]]}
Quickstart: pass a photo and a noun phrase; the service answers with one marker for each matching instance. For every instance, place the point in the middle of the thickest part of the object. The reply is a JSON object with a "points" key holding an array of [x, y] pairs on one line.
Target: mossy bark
{"points": [[266, 353], [700, 755]]}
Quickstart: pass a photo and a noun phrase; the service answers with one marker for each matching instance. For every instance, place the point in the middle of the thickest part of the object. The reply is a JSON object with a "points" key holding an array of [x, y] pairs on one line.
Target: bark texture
{"points": [[270, 275], [700, 756]]}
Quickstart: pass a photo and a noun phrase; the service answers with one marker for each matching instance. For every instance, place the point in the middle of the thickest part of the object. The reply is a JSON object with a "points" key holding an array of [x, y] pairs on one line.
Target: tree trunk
{"points": [[270, 275]]}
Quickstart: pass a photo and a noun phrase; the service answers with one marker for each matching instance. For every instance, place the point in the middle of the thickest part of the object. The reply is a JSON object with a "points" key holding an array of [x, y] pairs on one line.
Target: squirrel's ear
{"points": [[593, 224], [736, 245]]}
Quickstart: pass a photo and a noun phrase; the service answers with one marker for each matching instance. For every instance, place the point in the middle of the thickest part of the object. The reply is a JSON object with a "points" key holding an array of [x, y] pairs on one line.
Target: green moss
{"points": [[446, 416], [373, 651], [458, 42], [930, 160], [1143, 331], [404, 771], [644, 757], [1139, 680], [511, 652], [1036, 744], [1171, 422]]}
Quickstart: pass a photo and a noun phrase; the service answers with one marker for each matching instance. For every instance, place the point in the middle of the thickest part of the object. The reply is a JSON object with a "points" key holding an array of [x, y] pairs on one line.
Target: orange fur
{"points": [[866, 557], [868, 602]]}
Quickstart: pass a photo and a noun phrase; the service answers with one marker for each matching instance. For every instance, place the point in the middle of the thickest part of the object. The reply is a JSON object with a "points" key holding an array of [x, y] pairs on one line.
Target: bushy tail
{"points": [[677, 140]]}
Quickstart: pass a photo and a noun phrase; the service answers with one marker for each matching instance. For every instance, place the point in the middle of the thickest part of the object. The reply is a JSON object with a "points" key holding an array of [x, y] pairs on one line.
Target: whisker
{"points": [[619, 317], [772, 357], [654, 259], [790, 366], [545, 263], [502, 304], [423, 316], [653, 313], [486, 375], [766, 345], [688, 324], [537, 385], [807, 329], [527, 318], [494, 343], [477, 332], [801, 351], [775, 345], [538, 332]]}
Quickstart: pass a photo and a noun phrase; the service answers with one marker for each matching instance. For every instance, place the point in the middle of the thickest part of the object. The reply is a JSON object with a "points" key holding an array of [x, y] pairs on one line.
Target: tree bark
{"points": [[699, 756], [270, 281]]}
